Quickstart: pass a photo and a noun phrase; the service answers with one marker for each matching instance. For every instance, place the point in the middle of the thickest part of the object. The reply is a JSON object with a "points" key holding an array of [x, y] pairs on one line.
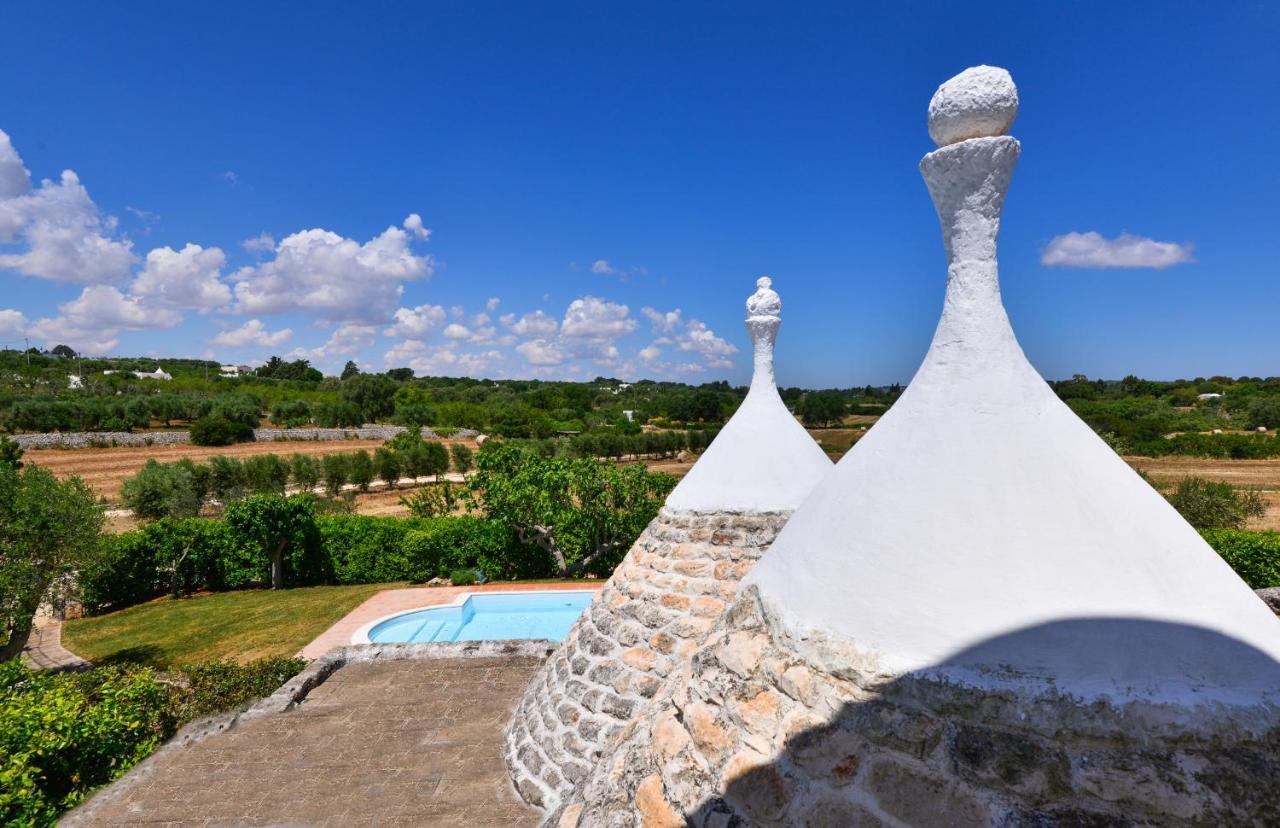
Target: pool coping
{"points": [[361, 635], [389, 601]]}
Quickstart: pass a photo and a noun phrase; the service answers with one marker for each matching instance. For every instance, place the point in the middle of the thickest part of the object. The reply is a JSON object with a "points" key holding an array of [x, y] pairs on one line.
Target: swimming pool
{"points": [[493, 616]]}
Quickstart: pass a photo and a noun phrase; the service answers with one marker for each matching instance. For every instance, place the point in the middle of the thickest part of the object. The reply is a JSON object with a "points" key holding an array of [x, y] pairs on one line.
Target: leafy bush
{"points": [[1255, 556], [463, 457], [161, 490], [266, 474], [1209, 504], [64, 734], [291, 413], [215, 430], [1264, 411], [463, 577], [361, 469], [365, 550], [217, 686], [61, 735], [445, 544]]}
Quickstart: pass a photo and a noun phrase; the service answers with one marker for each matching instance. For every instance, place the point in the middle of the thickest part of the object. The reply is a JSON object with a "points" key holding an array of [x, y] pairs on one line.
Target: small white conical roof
{"points": [[762, 460], [981, 530]]}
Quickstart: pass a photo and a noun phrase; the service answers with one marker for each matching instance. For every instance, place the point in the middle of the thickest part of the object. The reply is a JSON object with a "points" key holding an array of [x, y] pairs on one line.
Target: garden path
{"points": [[44, 650]]}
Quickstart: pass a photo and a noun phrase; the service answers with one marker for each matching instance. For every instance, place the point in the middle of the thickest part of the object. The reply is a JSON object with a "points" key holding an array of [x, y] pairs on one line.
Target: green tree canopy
{"points": [[48, 529], [278, 526]]}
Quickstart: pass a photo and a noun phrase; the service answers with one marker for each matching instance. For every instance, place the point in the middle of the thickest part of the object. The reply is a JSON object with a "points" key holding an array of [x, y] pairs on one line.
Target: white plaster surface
{"points": [[762, 460], [980, 102], [980, 509]]}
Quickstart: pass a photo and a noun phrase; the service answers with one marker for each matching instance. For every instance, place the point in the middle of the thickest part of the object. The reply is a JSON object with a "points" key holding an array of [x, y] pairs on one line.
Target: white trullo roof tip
{"points": [[762, 460], [982, 531]]}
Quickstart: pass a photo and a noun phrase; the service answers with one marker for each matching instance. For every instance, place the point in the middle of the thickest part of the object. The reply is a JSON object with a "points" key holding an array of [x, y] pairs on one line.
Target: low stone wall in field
{"points": [[758, 732], [659, 604], [100, 439]]}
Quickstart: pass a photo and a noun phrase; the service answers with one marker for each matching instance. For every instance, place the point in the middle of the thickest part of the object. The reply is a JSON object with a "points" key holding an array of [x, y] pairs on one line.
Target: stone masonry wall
{"points": [[660, 603], [756, 734]]}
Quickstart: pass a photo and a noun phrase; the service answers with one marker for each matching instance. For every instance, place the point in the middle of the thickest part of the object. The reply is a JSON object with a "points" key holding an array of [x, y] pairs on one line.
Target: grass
{"points": [[243, 625]]}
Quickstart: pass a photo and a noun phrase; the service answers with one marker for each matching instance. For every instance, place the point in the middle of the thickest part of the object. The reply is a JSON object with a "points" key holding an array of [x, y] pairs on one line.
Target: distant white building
{"points": [[1209, 396], [74, 382], [158, 374], [630, 415], [234, 370]]}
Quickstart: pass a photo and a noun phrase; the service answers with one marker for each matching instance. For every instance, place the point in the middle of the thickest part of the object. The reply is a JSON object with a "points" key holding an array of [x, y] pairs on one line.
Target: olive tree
{"points": [[48, 529], [161, 490], [276, 525], [585, 513]]}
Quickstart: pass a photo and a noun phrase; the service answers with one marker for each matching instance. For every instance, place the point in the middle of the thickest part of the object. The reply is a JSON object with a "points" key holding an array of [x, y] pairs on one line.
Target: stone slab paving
{"points": [[44, 650], [386, 743], [398, 600]]}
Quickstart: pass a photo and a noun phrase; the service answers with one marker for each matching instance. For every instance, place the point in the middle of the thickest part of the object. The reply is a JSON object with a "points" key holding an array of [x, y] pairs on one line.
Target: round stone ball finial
{"points": [[980, 102], [765, 301]]}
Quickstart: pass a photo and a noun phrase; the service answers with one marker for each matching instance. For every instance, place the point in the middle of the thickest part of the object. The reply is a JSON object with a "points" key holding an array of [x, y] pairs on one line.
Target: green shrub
{"points": [[61, 735], [1209, 504], [64, 734], [463, 577], [217, 686], [1255, 556], [216, 430], [445, 544], [335, 471], [266, 474], [161, 490], [303, 470], [463, 457], [361, 469], [365, 550], [1264, 411]]}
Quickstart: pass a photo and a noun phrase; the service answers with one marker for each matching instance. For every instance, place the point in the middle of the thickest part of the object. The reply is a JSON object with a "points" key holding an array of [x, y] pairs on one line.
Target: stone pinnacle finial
{"points": [[763, 321], [980, 102], [765, 301]]}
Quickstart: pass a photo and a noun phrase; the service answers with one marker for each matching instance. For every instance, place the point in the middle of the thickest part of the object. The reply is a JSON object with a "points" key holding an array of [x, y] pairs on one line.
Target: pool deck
{"points": [[391, 601]]}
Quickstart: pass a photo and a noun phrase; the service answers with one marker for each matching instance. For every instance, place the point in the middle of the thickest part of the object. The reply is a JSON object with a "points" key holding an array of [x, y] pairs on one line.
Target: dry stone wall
{"points": [[661, 602], [756, 734]]}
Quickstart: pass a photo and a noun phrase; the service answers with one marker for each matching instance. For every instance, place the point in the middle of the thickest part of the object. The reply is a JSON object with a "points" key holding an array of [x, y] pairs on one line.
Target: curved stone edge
{"points": [[661, 601], [757, 733]]}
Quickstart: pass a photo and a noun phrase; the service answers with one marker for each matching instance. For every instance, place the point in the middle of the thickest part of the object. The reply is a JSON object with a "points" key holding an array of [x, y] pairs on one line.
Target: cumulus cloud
{"points": [[261, 243], [699, 339], [1093, 250], [13, 324], [253, 333], [183, 279], [602, 267], [442, 359], [593, 318], [337, 278], [416, 323], [649, 354], [491, 304], [93, 321], [414, 225], [536, 324], [662, 322], [345, 341], [62, 235], [542, 352], [456, 331]]}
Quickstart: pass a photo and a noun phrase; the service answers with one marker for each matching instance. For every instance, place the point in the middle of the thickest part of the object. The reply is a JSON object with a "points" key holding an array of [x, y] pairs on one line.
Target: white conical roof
{"points": [[982, 531], [762, 460]]}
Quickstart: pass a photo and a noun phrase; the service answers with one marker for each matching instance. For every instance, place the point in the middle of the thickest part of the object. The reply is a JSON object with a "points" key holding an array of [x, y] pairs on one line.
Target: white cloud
{"points": [[344, 342], [480, 319], [14, 177], [63, 235], [189, 278], [662, 322], [336, 278], [456, 331], [254, 333], [93, 321], [231, 177], [416, 323], [602, 267], [261, 243], [542, 352], [414, 225], [536, 324], [1092, 250], [507, 320], [12, 324], [699, 339], [592, 318], [441, 359], [649, 354], [491, 304]]}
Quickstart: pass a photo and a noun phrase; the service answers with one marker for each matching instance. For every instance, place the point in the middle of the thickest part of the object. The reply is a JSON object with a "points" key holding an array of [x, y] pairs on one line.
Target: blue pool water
{"points": [[494, 617]]}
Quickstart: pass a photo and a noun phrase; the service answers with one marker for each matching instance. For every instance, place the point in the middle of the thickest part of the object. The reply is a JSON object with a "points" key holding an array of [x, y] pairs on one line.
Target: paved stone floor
{"points": [[390, 743], [44, 650]]}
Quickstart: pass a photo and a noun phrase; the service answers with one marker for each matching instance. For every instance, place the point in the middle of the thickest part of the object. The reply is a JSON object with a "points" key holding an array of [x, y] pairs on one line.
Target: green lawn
{"points": [[242, 625]]}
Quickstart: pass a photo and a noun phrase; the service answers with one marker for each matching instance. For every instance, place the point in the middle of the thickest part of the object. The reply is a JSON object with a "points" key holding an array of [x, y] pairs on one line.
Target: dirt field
{"points": [[1263, 475], [105, 469]]}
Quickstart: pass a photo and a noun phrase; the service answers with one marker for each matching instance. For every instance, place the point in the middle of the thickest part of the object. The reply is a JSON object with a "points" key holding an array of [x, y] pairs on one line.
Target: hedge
{"points": [[195, 554], [1255, 556], [64, 734]]}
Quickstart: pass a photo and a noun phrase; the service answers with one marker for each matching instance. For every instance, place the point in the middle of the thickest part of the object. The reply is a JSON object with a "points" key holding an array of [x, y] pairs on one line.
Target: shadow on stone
{"points": [[1183, 729]]}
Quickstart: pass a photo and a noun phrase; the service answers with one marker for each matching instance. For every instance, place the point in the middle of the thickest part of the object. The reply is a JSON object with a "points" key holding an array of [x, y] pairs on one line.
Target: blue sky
{"points": [[411, 184]]}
